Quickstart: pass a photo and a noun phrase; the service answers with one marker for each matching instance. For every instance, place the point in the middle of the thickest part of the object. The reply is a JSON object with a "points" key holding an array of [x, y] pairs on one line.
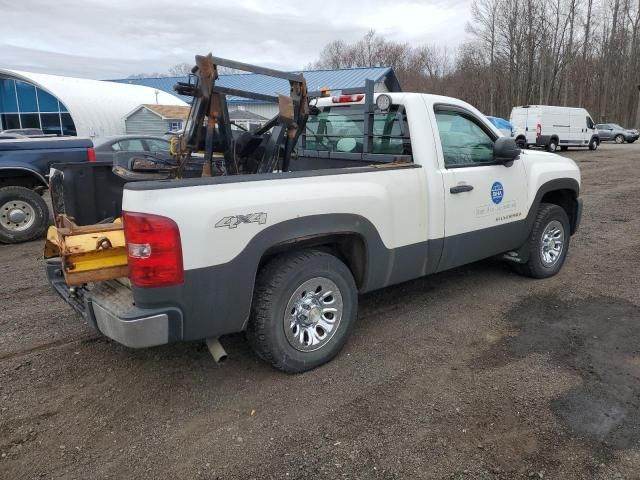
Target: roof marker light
{"points": [[356, 97]]}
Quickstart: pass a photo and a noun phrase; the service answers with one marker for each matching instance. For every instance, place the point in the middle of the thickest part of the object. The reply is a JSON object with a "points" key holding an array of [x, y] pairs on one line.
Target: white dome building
{"points": [[72, 106]]}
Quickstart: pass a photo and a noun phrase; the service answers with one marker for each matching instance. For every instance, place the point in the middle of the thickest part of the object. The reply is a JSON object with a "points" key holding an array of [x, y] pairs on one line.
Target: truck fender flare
{"points": [[556, 184], [547, 187], [313, 229], [29, 171]]}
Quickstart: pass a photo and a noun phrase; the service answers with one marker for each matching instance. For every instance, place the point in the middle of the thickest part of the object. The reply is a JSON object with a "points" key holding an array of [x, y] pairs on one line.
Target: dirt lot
{"points": [[475, 373]]}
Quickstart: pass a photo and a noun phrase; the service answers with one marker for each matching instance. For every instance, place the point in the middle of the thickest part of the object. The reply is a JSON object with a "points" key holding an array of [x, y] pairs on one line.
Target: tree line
{"points": [[581, 53]]}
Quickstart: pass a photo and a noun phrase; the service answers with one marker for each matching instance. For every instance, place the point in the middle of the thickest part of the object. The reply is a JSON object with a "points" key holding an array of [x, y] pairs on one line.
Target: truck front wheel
{"points": [[548, 243], [304, 307], [23, 215]]}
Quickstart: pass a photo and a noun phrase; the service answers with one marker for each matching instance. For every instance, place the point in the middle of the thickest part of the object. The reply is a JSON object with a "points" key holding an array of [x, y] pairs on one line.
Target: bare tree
{"points": [[180, 70], [568, 52]]}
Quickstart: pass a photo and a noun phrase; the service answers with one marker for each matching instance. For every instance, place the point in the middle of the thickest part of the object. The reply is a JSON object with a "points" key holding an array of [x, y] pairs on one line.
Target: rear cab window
{"points": [[340, 131]]}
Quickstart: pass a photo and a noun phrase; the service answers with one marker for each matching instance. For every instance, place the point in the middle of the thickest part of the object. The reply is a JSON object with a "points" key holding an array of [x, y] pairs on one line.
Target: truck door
{"points": [[485, 201]]}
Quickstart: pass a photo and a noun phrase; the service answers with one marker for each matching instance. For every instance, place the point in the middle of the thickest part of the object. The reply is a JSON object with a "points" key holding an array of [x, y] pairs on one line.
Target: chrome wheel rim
{"points": [[619, 139], [552, 243], [313, 314], [17, 216]]}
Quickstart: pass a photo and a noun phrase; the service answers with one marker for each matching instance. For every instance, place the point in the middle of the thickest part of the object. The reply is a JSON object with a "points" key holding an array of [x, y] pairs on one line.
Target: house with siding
{"points": [[149, 119]]}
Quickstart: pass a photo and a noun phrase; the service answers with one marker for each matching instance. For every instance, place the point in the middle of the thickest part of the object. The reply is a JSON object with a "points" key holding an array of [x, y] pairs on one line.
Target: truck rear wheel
{"points": [[548, 243], [23, 215], [304, 307]]}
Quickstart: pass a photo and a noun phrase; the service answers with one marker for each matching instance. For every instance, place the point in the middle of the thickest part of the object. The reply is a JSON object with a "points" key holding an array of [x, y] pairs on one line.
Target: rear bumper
{"points": [[109, 307]]}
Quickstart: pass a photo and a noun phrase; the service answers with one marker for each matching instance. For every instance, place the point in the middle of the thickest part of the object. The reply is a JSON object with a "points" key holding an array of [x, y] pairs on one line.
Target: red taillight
{"points": [[538, 130], [347, 98], [154, 250], [91, 154]]}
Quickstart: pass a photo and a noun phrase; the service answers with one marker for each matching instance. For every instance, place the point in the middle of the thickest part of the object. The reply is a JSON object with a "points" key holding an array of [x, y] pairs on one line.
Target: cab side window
{"points": [[464, 142], [590, 125]]}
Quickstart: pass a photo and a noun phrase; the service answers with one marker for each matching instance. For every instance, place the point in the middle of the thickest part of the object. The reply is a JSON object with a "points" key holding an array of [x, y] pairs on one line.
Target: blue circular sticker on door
{"points": [[497, 192]]}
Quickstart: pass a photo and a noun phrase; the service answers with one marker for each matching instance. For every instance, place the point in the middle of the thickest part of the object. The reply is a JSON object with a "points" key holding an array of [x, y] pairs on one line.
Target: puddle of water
{"points": [[599, 339]]}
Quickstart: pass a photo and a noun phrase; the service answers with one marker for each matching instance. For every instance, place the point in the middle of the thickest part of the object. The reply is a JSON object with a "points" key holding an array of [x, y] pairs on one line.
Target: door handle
{"points": [[461, 188]]}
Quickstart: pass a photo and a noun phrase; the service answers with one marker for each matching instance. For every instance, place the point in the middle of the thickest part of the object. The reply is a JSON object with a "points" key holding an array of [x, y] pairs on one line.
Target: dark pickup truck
{"points": [[24, 176]]}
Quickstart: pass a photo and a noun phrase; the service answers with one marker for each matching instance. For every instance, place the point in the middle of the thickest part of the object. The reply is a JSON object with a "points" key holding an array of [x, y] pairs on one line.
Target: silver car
{"points": [[616, 133]]}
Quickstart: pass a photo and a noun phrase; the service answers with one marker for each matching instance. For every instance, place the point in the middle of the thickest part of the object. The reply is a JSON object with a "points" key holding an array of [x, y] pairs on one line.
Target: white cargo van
{"points": [[553, 127]]}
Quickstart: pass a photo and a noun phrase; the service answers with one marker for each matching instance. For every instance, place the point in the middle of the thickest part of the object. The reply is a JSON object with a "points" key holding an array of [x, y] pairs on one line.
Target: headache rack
{"points": [[282, 140], [208, 127]]}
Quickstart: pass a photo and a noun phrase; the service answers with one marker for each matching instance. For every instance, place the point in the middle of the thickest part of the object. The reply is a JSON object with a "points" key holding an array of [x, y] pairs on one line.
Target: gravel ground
{"points": [[475, 373]]}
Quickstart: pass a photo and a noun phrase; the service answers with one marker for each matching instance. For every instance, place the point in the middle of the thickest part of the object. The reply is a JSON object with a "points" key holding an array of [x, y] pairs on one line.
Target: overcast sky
{"points": [[117, 38]]}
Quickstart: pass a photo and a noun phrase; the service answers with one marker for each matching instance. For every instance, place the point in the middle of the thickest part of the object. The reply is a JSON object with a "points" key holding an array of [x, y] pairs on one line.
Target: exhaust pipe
{"points": [[216, 349]]}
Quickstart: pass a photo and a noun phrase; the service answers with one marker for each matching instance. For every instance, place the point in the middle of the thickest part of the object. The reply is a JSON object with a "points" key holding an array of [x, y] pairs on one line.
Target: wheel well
{"points": [[567, 200], [20, 178], [348, 247]]}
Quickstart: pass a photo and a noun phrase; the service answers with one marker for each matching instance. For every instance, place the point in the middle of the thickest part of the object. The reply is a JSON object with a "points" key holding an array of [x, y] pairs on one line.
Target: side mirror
{"points": [[505, 150]]}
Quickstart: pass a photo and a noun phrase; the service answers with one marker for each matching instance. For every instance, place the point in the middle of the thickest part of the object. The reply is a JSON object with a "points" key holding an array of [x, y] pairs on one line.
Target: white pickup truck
{"points": [[283, 255]]}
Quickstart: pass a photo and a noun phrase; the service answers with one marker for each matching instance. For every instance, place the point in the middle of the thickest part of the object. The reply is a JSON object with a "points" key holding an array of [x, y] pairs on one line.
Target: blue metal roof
{"points": [[347, 78]]}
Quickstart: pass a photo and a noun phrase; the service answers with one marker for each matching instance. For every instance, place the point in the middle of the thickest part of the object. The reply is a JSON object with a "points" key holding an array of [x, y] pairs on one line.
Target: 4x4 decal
{"points": [[235, 220]]}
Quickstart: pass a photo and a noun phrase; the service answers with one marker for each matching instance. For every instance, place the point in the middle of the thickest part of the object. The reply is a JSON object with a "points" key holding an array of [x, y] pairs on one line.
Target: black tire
{"points": [[34, 218], [552, 146], [630, 141], [564, 148], [521, 142], [593, 144], [619, 139], [277, 285], [549, 216]]}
